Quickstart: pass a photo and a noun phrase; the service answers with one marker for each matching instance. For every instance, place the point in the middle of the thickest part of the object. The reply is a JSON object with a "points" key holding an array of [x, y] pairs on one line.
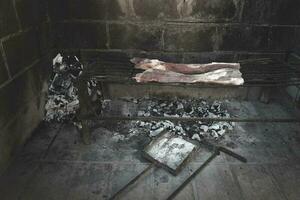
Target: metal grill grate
{"points": [[256, 73]]}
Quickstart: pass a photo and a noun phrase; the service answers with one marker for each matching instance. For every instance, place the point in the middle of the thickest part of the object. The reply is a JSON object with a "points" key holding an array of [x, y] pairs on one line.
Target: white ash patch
{"points": [[170, 150], [58, 107]]}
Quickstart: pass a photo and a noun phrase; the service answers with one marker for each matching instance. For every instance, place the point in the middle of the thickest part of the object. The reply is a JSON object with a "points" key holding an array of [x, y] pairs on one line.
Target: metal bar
{"points": [[211, 146], [130, 73], [257, 79], [233, 154], [121, 76], [224, 150], [189, 179], [269, 69], [262, 120], [253, 80], [111, 71], [247, 84], [123, 65], [117, 194]]}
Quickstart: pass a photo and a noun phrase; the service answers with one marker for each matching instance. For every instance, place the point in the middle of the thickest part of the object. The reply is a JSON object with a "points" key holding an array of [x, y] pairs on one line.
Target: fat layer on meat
{"points": [[144, 63], [226, 76]]}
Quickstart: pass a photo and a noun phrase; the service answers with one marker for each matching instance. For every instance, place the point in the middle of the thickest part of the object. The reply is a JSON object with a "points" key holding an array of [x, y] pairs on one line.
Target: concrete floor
{"points": [[54, 164]]}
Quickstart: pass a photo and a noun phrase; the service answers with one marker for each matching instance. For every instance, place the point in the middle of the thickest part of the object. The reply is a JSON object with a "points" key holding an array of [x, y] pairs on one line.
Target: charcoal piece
{"points": [[188, 109]]}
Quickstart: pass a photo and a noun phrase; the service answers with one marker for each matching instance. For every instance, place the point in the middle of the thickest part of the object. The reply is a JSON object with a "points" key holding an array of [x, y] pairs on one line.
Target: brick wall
{"points": [[25, 46], [173, 30], [180, 30]]}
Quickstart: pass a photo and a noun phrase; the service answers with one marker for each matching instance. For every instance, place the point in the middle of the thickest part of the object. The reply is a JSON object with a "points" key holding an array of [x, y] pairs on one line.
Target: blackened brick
{"points": [[106, 56], [131, 36], [271, 11], [189, 38], [287, 12], [12, 99], [3, 71], [282, 38], [46, 38], [90, 9], [80, 35], [145, 10], [31, 12], [40, 73], [21, 51], [8, 20], [77, 9], [200, 10], [243, 38], [297, 37], [257, 11], [217, 10], [59, 10], [16, 96]]}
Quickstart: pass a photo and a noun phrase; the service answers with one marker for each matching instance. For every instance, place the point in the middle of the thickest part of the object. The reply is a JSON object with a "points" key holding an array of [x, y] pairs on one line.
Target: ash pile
{"points": [[196, 130], [62, 102]]}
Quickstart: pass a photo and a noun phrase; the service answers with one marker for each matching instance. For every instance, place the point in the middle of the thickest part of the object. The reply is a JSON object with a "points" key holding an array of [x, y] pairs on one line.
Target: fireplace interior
{"points": [[81, 119]]}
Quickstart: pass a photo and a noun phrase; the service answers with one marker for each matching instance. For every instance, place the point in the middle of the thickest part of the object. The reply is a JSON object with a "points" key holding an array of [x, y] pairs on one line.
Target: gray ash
{"points": [[183, 108], [62, 102]]}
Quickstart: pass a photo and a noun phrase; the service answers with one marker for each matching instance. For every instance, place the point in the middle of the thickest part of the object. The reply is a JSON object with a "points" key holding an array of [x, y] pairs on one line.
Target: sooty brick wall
{"points": [[173, 30], [210, 29], [25, 45]]}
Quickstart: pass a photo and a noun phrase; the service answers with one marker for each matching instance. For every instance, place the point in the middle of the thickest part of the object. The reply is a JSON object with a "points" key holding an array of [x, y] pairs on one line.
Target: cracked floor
{"points": [[54, 164]]}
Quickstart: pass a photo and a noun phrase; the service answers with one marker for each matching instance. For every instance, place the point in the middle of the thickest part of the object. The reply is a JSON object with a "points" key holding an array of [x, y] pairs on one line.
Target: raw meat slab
{"points": [[226, 76], [144, 63]]}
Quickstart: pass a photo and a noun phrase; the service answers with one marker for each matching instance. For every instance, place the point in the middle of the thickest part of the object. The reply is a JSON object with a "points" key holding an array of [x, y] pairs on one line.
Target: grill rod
{"points": [[204, 119]]}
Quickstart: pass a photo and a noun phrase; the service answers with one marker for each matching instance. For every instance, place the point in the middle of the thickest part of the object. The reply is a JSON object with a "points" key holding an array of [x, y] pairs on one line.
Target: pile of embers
{"points": [[182, 108]]}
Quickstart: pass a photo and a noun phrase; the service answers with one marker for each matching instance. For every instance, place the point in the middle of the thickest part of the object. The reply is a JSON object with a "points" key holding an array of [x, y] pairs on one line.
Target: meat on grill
{"points": [[144, 63], [226, 76]]}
